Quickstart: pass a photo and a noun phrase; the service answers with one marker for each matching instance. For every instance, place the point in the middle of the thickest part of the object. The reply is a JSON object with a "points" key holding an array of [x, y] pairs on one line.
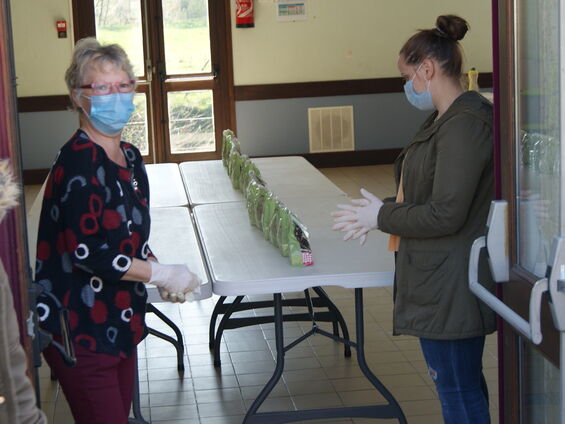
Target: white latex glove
{"points": [[175, 280], [358, 218], [171, 297]]}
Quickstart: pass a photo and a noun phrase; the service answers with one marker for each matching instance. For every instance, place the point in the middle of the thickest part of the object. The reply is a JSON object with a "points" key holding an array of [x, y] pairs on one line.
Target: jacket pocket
{"points": [[427, 274]]}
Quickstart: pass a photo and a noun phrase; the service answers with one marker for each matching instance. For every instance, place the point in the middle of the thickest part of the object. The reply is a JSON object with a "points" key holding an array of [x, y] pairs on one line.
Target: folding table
{"points": [[207, 182], [242, 263]]}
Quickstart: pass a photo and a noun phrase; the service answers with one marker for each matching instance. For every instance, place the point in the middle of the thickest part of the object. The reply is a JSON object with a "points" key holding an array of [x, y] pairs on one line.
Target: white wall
{"points": [[348, 39], [342, 39], [41, 57]]}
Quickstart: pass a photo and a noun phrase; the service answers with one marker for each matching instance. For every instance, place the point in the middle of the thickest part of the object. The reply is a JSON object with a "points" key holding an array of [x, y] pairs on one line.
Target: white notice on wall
{"points": [[288, 10]]}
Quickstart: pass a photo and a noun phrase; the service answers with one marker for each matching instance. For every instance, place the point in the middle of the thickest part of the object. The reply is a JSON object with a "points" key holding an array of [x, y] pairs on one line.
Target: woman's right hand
{"points": [[174, 278]]}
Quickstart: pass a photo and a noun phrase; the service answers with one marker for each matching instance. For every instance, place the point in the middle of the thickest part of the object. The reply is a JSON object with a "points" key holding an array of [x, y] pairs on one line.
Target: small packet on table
{"points": [[300, 252]]}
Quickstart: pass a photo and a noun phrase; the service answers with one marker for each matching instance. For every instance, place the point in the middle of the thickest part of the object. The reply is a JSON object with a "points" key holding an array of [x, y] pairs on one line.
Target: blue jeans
{"points": [[457, 370]]}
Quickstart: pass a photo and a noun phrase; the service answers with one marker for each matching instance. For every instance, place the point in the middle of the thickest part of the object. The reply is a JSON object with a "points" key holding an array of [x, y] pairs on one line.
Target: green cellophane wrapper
{"points": [[274, 232], [227, 145], [300, 252], [247, 170], [252, 195], [283, 222], [259, 206], [234, 160], [237, 165], [268, 211]]}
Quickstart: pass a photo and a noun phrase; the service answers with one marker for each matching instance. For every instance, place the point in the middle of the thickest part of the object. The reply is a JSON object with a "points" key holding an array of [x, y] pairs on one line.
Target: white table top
{"points": [[286, 176], [242, 262], [173, 241], [165, 185]]}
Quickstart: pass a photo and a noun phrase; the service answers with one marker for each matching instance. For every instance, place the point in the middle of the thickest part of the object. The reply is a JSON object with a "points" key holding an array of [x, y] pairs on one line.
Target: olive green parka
{"points": [[448, 182]]}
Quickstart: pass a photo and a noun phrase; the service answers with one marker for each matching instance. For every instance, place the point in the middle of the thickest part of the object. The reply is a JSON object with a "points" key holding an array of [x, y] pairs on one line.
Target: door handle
{"points": [[557, 283], [496, 243], [532, 329]]}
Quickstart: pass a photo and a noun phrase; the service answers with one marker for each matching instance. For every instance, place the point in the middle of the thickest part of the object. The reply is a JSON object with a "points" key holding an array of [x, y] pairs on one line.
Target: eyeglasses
{"points": [[106, 87]]}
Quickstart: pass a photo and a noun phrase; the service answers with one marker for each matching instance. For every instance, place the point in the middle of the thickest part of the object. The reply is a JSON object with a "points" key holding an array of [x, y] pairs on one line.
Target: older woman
{"points": [[445, 185], [92, 251]]}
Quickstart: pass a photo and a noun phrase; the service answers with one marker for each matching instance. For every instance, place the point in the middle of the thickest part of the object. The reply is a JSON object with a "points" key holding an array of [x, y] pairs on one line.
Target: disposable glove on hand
{"points": [[171, 297], [174, 279], [358, 218]]}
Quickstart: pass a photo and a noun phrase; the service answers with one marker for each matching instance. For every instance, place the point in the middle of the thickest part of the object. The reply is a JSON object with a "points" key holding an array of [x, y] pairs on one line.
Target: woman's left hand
{"points": [[171, 297], [358, 218]]}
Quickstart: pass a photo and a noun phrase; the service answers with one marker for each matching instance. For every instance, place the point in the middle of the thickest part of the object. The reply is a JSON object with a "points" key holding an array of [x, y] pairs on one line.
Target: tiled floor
{"points": [[316, 372]]}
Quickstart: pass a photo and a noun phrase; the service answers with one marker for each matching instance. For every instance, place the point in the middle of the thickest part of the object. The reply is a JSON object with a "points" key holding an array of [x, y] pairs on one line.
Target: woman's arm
{"points": [[464, 148]]}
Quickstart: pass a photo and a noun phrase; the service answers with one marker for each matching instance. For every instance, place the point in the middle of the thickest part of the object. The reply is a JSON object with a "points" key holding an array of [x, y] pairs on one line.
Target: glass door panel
{"points": [[187, 37], [191, 121], [538, 181], [540, 393], [538, 120], [119, 22], [136, 131]]}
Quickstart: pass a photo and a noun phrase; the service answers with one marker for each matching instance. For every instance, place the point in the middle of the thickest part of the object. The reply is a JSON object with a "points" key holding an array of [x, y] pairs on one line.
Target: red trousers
{"points": [[99, 389]]}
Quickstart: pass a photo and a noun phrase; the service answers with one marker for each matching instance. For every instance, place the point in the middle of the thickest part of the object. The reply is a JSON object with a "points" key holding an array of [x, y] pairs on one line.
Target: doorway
{"points": [[181, 53]]}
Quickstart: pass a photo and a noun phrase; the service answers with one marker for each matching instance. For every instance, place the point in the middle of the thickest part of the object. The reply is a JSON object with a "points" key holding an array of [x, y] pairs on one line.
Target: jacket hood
{"points": [[9, 190], [470, 102]]}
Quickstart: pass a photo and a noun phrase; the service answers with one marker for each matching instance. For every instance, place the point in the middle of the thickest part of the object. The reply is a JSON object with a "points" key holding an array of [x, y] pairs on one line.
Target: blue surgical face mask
{"points": [[423, 100], [110, 113]]}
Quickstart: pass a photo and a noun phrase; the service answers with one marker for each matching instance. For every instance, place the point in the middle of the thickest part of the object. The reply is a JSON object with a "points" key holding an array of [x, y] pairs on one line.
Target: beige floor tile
{"points": [[317, 400], [208, 383], [177, 412], [219, 409], [351, 384], [362, 398], [282, 403], [251, 392], [172, 398], [300, 388]]}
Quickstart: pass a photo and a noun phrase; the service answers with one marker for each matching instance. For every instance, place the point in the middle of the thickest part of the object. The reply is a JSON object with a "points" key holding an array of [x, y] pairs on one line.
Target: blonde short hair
{"points": [[89, 52]]}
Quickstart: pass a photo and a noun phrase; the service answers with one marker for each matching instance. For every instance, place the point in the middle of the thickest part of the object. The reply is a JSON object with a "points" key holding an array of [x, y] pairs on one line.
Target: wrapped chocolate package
{"points": [[236, 169], [283, 230], [233, 161], [268, 212], [248, 169], [274, 236], [227, 145], [262, 194], [300, 252], [252, 194]]}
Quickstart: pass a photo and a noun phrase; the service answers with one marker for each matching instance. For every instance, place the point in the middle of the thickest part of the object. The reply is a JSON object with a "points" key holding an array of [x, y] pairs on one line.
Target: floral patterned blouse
{"points": [[94, 220]]}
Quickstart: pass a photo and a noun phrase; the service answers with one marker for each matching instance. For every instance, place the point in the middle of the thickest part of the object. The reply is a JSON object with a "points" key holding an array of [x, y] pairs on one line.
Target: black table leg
{"points": [[391, 410], [212, 330], [223, 322], [334, 309], [136, 407], [279, 341], [178, 343], [360, 335]]}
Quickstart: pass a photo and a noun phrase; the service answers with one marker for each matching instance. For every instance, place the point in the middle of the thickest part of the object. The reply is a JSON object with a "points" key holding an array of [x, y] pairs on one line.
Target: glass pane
{"points": [[119, 21], [539, 127], [135, 132], [191, 121], [187, 36], [540, 388]]}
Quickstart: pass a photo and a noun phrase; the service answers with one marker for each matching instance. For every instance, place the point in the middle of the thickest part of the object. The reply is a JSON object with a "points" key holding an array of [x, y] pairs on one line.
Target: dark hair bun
{"points": [[452, 26]]}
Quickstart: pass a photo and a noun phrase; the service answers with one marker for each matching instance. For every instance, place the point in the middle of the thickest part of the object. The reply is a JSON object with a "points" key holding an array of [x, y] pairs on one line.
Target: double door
{"points": [[181, 54]]}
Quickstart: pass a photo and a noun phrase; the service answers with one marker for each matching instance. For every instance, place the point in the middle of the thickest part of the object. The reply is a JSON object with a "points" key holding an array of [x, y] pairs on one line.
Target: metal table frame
{"points": [[227, 309], [390, 410]]}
